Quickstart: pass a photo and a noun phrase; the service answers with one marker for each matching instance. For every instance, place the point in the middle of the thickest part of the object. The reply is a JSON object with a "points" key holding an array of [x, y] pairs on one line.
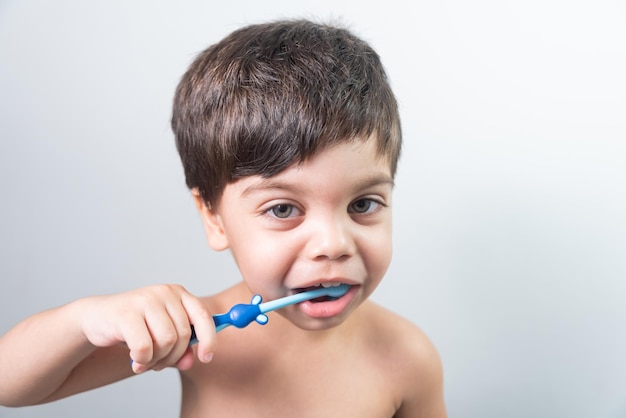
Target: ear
{"points": [[213, 226]]}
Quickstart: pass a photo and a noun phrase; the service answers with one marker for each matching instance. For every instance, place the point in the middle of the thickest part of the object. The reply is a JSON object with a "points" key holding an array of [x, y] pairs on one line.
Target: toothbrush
{"points": [[242, 314]]}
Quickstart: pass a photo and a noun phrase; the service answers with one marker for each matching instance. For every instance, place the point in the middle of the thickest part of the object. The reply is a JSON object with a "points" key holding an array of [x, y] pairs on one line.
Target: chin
{"points": [[308, 323]]}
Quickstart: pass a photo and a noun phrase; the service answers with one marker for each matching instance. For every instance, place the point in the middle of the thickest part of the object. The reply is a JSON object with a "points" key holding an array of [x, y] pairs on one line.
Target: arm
{"points": [[86, 343], [423, 382]]}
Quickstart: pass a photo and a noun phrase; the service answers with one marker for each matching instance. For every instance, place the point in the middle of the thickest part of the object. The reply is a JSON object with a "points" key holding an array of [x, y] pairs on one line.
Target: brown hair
{"points": [[270, 95]]}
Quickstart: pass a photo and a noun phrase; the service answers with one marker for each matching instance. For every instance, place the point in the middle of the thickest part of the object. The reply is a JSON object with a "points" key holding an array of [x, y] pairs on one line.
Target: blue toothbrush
{"points": [[242, 314]]}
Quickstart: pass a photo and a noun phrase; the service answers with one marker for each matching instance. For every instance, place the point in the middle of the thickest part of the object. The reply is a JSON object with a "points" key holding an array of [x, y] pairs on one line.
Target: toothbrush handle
{"points": [[240, 315], [219, 325]]}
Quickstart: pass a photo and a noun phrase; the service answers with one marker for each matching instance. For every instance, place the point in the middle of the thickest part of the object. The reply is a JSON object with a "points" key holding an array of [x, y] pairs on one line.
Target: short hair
{"points": [[273, 94]]}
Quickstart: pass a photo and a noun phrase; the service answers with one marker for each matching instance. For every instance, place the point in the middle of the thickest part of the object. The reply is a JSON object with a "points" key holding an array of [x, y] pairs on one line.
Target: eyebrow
{"points": [[273, 184], [377, 180]]}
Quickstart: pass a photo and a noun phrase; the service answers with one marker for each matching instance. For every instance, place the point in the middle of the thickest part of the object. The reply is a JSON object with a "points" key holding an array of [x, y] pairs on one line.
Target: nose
{"points": [[331, 239]]}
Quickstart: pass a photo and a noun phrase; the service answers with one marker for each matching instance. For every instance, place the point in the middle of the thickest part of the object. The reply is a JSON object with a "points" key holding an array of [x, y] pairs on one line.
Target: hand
{"points": [[154, 322]]}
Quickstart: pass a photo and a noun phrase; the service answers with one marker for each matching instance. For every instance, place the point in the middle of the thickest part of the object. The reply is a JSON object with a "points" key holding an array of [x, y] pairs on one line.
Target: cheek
{"points": [[261, 260], [378, 257], [382, 259]]}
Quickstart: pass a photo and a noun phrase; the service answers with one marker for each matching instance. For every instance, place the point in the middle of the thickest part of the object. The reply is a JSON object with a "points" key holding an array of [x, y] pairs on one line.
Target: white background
{"points": [[510, 206]]}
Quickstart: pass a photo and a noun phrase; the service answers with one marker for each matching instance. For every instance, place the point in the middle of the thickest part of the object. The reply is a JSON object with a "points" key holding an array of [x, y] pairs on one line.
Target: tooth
{"points": [[330, 284]]}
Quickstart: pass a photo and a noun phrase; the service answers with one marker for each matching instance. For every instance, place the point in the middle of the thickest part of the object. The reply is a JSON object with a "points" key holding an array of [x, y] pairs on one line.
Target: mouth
{"points": [[341, 296], [332, 286]]}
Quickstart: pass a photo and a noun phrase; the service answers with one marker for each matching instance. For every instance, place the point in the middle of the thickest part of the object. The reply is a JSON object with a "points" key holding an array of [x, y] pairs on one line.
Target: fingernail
{"points": [[207, 357]]}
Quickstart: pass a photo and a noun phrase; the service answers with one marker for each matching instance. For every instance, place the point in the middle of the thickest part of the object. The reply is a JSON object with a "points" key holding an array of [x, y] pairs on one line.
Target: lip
{"points": [[329, 308], [315, 284]]}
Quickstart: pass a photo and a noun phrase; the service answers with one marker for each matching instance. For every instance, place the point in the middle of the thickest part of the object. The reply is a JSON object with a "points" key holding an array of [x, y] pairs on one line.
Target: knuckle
{"points": [[142, 351], [175, 288], [168, 339], [144, 296], [185, 333]]}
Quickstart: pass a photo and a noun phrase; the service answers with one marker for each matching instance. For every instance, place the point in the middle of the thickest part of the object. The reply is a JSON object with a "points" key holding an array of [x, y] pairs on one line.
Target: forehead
{"points": [[348, 166]]}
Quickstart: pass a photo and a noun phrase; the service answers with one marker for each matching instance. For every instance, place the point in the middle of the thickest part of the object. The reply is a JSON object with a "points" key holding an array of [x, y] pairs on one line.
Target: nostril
{"points": [[331, 239], [333, 257], [333, 250]]}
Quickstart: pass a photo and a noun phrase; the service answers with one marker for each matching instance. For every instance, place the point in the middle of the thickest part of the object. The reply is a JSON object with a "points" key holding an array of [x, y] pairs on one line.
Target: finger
{"points": [[139, 341], [163, 333], [186, 361], [180, 320], [202, 321]]}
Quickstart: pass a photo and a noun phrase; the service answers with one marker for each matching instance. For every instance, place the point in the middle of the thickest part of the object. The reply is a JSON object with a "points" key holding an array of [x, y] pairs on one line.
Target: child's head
{"points": [[271, 95]]}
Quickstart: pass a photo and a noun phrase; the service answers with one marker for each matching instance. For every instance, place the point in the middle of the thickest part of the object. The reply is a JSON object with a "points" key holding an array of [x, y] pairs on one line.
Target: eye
{"points": [[282, 211], [362, 206]]}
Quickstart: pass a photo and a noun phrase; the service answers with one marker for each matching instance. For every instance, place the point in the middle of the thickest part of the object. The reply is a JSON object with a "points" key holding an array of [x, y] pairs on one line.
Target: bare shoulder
{"points": [[411, 362], [399, 336]]}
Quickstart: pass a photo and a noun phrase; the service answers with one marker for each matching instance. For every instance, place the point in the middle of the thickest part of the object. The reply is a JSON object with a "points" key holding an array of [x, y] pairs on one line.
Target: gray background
{"points": [[509, 209]]}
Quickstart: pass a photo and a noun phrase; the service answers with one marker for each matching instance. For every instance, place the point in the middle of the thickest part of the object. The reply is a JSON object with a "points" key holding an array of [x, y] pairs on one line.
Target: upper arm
{"points": [[421, 379]]}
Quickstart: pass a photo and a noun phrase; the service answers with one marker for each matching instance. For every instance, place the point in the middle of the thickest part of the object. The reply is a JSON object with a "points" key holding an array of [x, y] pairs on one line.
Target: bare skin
{"points": [[88, 343], [375, 364], [324, 221]]}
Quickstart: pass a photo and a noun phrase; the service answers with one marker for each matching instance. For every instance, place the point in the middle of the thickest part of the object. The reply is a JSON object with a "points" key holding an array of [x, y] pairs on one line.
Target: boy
{"points": [[289, 136]]}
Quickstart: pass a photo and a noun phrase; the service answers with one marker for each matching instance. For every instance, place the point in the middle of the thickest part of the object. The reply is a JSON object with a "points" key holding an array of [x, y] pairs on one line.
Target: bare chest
{"points": [[290, 384]]}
